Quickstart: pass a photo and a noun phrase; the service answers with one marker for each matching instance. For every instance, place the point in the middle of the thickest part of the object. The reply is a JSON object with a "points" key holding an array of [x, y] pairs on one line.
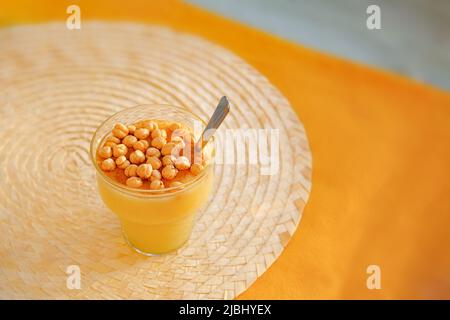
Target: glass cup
{"points": [[154, 221]]}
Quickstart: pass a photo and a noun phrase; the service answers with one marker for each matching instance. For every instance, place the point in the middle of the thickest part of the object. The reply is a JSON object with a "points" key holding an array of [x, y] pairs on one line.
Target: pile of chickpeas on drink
{"points": [[150, 150]]}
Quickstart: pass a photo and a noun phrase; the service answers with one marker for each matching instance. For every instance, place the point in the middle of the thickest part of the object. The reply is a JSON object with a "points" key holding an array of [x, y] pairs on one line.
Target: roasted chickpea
{"points": [[141, 133], [105, 152], [174, 126], [153, 152], [122, 162], [168, 160], [120, 131], [125, 165], [144, 171], [108, 164], [129, 140], [151, 125], [134, 182], [154, 162], [113, 139], [140, 124], [156, 185], [196, 168], [137, 157], [159, 133], [182, 163], [163, 124], [159, 142], [131, 170], [131, 129], [110, 144], [147, 124], [177, 140], [141, 145], [120, 150], [169, 172], [167, 148], [156, 175]]}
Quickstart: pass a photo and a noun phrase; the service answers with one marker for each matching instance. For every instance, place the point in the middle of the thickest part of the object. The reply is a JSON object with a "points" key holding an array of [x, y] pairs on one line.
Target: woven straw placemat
{"points": [[57, 86]]}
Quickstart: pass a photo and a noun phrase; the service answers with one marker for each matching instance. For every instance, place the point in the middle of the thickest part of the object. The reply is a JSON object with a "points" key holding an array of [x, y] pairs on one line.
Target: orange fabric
{"points": [[381, 159]]}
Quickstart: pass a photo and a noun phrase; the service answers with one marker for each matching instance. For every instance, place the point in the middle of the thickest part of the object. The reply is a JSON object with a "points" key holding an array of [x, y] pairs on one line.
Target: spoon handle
{"points": [[219, 114]]}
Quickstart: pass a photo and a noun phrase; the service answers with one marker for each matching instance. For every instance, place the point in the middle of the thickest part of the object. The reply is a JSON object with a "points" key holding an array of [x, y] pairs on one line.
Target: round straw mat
{"points": [[57, 86]]}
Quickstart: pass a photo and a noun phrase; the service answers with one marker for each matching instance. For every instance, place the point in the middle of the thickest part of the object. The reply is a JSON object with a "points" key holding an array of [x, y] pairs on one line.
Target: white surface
{"points": [[414, 39]]}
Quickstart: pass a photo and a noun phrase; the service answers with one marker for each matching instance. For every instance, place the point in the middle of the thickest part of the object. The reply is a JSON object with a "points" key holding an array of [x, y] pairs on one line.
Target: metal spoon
{"points": [[222, 109]]}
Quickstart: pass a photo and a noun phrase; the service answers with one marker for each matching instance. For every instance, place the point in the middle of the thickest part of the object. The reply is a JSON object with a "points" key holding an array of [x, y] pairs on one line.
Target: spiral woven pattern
{"points": [[57, 86]]}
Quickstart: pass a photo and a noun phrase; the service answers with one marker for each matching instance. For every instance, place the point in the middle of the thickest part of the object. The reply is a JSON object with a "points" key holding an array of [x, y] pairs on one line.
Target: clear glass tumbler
{"points": [[153, 221]]}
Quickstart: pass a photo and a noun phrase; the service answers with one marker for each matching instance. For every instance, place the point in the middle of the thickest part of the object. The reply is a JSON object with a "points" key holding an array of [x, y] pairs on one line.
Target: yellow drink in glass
{"points": [[153, 221]]}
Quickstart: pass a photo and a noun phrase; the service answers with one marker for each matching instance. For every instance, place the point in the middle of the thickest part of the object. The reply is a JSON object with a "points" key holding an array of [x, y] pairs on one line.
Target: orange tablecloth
{"points": [[381, 157]]}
